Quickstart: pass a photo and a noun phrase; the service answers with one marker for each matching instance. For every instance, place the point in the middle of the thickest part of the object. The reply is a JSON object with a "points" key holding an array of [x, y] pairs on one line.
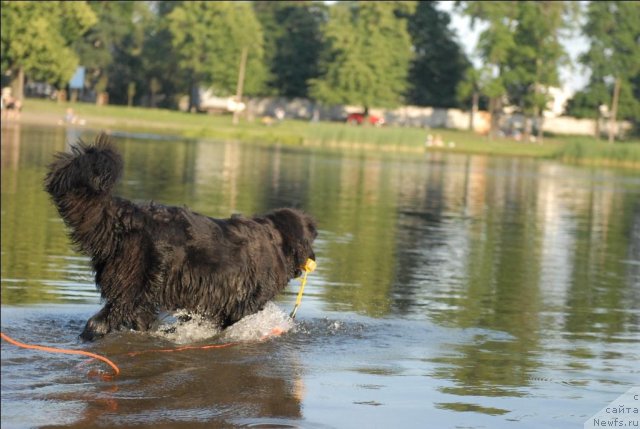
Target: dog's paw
{"points": [[94, 330]]}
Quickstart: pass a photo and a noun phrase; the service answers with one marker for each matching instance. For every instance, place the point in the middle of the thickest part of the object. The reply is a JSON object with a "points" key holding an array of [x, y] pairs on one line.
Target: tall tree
{"points": [[208, 38], [293, 42], [470, 92], [37, 37], [368, 55], [589, 102], [495, 44], [439, 63], [164, 79], [532, 66], [111, 50], [613, 30]]}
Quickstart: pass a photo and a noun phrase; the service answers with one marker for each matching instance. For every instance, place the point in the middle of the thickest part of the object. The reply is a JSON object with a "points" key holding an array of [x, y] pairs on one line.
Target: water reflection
{"points": [[541, 261]]}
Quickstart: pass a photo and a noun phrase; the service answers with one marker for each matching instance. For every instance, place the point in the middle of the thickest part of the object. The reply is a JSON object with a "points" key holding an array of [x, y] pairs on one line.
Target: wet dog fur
{"points": [[149, 257]]}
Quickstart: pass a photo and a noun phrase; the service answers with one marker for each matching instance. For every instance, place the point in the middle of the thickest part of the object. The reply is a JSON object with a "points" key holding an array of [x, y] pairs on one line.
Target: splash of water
{"points": [[183, 327], [260, 325]]}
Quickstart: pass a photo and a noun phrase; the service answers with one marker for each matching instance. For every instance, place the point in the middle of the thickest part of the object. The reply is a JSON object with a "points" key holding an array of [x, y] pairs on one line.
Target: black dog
{"points": [[150, 257]]}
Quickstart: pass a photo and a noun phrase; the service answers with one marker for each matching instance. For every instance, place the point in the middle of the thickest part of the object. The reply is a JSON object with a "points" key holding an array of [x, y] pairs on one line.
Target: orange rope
{"points": [[59, 350], [274, 331]]}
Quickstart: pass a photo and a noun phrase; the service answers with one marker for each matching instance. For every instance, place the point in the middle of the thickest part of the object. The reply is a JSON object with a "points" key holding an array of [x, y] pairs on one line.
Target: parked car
{"points": [[360, 118]]}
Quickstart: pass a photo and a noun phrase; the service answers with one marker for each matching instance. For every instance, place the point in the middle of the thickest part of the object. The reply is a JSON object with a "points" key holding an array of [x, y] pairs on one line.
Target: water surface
{"points": [[451, 291]]}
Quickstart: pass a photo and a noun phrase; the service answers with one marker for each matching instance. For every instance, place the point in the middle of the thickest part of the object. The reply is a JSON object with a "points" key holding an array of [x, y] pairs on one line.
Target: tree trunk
{"points": [[597, 130], [526, 132], [494, 108], [541, 129], [102, 99], [614, 111], [490, 133], [538, 114], [240, 86], [474, 110], [193, 97], [131, 92], [17, 85]]}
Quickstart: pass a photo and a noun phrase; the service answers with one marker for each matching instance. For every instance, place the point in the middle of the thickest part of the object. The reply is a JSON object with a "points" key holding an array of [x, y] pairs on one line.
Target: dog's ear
{"points": [[312, 227]]}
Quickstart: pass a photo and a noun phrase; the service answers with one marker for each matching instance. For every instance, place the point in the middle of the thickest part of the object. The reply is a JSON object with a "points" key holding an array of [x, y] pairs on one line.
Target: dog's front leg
{"points": [[98, 326], [113, 317]]}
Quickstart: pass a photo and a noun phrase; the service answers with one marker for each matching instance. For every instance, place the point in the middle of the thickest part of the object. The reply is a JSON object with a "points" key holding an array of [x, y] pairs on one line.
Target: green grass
{"points": [[599, 153], [570, 149]]}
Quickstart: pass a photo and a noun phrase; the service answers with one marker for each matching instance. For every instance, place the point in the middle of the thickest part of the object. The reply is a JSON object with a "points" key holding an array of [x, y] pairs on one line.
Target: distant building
{"points": [[556, 106]]}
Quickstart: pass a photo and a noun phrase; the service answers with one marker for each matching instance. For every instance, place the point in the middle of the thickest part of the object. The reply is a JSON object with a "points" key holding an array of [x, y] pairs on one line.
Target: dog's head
{"points": [[298, 230]]}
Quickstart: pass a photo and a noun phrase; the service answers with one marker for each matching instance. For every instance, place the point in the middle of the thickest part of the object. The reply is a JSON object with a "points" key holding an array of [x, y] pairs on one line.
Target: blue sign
{"points": [[77, 81]]}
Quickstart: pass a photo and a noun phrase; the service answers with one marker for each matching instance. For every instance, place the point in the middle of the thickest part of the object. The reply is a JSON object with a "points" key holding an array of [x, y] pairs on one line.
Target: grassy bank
{"points": [[580, 150]]}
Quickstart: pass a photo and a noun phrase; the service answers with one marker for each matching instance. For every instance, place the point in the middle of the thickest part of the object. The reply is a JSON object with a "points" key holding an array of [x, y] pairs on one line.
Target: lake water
{"points": [[451, 291]]}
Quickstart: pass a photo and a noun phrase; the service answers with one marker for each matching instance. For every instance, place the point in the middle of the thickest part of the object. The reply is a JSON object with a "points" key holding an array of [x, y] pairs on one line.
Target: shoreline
{"points": [[330, 135]]}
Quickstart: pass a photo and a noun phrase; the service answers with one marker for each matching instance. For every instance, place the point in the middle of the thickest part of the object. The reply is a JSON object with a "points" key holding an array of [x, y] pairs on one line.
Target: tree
{"points": [[495, 44], [368, 55], [111, 50], [164, 79], [532, 66], [521, 50], [588, 103], [293, 42], [613, 29], [470, 91], [37, 37], [208, 38], [438, 64]]}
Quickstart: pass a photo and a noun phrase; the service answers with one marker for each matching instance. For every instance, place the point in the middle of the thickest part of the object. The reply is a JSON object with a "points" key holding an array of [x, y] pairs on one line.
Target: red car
{"points": [[359, 119]]}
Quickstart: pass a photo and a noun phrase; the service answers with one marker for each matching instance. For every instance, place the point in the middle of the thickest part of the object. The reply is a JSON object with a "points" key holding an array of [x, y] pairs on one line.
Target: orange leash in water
{"points": [[64, 351], [275, 331]]}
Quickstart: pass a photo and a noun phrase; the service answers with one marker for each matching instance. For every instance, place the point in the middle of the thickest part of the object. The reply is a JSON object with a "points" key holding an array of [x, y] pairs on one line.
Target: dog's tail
{"points": [[80, 185], [90, 170]]}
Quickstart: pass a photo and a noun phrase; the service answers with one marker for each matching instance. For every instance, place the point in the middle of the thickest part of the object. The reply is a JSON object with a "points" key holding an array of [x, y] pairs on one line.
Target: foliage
{"points": [[586, 103], [368, 55], [37, 38], [522, 52], [613, 30], [293, 42], [472, 82], [496, 42], [439, 63], [373, 54], [536, 55], [495, 45], [588, 152], [163, 80], [114, 23], [208, 38]]}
